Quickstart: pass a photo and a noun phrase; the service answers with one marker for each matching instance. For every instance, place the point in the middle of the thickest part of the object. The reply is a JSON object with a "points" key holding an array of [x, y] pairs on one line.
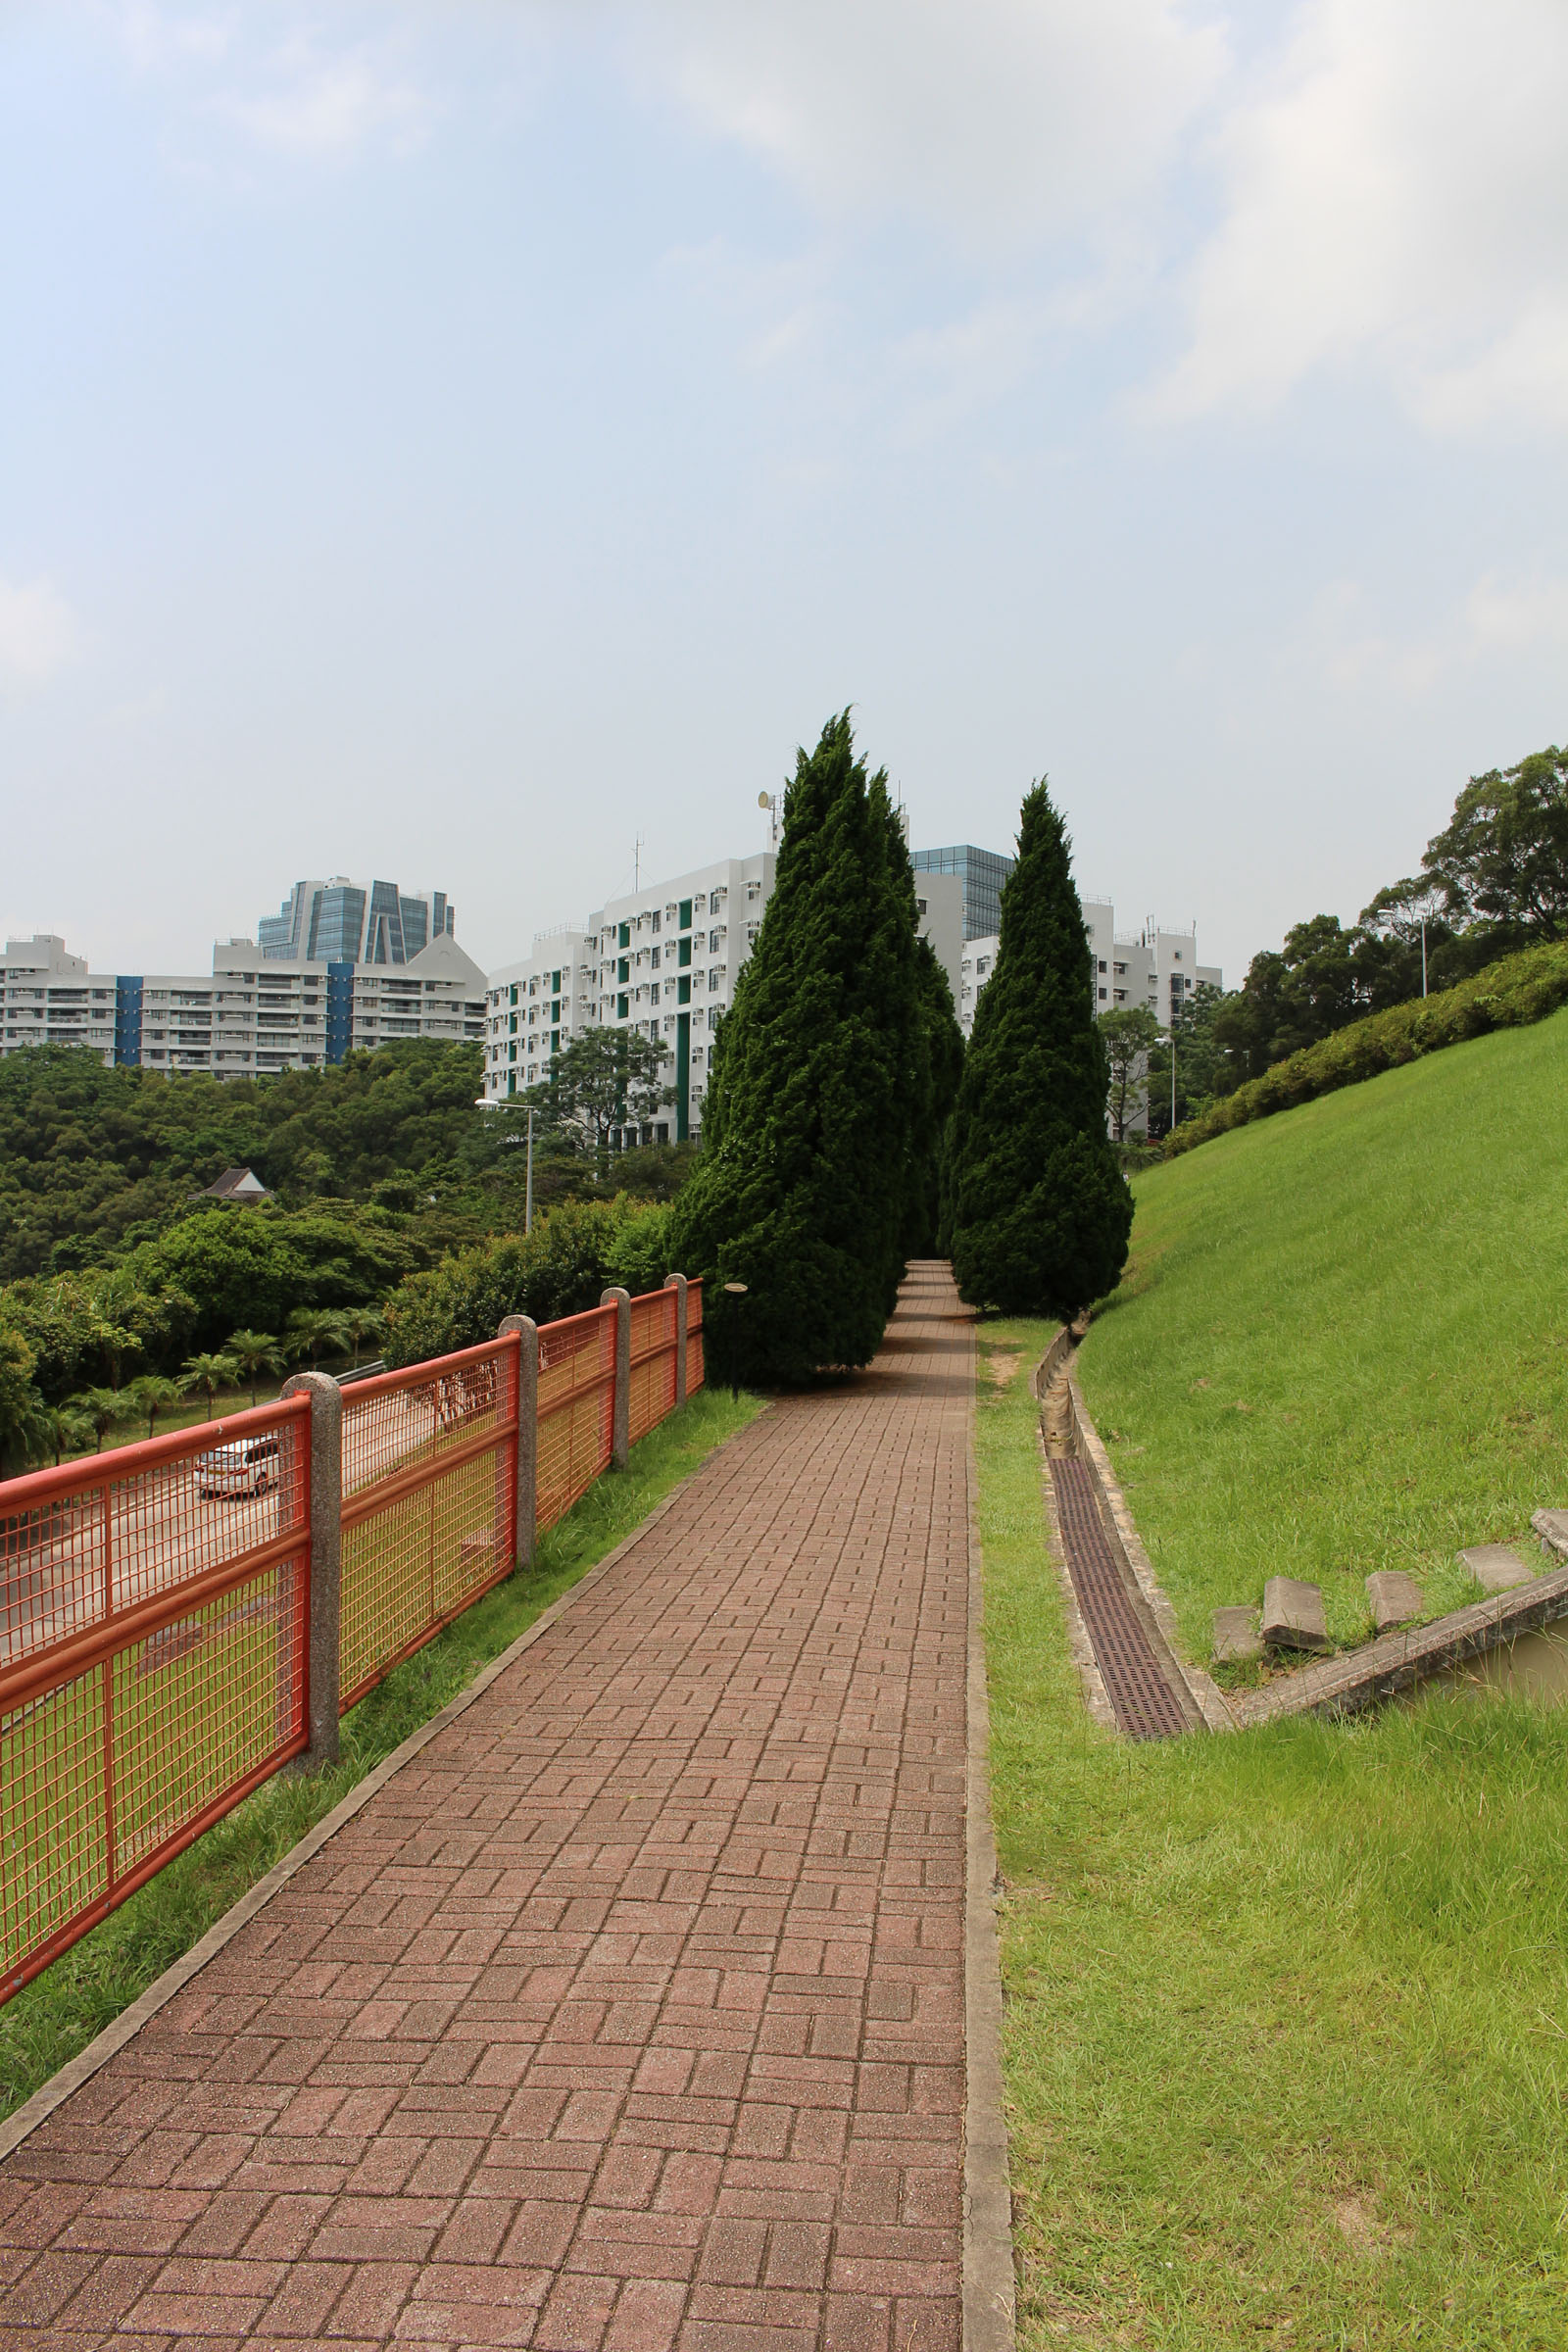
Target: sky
{"points": [[464, 440]]}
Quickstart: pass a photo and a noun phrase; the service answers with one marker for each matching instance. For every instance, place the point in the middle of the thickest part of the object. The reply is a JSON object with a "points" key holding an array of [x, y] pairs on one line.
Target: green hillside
{"points": [[1342, 1342]]}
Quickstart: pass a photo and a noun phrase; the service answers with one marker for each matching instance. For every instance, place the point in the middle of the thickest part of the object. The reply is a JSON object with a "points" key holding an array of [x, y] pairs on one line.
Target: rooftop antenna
{"points": [[637, 863], [770, 801]]}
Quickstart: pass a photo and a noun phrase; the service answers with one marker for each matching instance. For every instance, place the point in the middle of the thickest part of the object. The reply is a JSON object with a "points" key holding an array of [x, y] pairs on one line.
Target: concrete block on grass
{"points": [[1235, 1636], [1394, 1597], [1496, 1567], [1553, 1529], [1293, 1614]]}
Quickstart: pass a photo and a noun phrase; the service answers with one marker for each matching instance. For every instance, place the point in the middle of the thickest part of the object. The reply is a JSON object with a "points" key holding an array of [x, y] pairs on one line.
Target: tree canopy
{"points": [[806, 1179], [1040, 1210]]}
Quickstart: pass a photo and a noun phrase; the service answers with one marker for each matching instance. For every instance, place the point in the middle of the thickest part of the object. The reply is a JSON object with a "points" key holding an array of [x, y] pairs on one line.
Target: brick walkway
{"points": [[629, 2014]]}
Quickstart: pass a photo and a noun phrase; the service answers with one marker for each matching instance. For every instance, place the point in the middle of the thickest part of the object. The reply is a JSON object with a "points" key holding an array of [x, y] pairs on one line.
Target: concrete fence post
{"points": [[527, 1433], [621, 1443], [677, 1284], [327, 1560]]}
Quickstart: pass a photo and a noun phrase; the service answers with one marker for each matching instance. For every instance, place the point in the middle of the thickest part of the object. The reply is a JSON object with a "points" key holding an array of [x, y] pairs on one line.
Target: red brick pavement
{"points": [[629, 2014]]}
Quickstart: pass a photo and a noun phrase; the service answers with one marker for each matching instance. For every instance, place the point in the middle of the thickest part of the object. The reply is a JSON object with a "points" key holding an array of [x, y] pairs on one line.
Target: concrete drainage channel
{"points": [[1122, 1629]]}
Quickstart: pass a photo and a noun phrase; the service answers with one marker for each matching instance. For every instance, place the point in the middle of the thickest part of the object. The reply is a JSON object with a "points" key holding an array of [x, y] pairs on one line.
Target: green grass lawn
{"points": [[1343, 1340], [1287, 2011], [58, 2014]]}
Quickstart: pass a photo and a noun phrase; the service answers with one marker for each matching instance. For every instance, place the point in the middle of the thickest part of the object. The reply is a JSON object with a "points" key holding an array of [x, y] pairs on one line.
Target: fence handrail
{"points": [[111, 1465]]}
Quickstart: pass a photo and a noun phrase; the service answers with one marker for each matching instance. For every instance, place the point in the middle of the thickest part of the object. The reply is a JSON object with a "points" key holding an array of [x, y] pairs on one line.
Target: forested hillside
{"points": [[92, 1159]]}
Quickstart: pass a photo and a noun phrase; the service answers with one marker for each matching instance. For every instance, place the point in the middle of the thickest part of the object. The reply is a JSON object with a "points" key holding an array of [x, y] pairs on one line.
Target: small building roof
{"points": [[234, 1184]]}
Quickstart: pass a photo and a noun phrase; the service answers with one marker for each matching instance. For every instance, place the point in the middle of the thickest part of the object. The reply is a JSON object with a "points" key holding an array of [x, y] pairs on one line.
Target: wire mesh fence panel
{"points": [[694, 1359], [156, 1611], [576, 1408], [654, 1335], [429, 1503]]}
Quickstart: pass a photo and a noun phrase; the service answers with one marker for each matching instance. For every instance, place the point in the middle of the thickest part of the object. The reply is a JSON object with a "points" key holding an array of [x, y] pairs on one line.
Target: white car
{"points": [[247, 1468]]}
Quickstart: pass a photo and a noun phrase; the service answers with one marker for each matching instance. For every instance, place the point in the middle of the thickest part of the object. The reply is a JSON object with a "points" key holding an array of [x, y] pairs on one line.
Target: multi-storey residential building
{"points": [[339, 922], [1154, 966], [664, 960], [253, 1015], [51, 999]]}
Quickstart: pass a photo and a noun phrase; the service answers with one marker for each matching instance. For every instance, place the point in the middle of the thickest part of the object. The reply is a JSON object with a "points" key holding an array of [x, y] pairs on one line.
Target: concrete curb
{"points": [[124, 2027], [990, 2316]]}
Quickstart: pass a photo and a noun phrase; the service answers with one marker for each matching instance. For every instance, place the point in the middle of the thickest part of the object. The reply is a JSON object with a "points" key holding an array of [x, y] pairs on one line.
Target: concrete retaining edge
{"points": [[88, 2062], [990, 2306]]}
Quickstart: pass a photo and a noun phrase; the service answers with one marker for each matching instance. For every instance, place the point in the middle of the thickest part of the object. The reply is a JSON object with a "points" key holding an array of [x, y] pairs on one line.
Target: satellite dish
{"points": [[764, 799]]}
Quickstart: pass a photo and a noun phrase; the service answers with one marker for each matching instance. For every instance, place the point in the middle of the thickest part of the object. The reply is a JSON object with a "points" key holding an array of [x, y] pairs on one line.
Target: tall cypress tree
{"points": [[1040, 1210], [800, 1190], [940, 1068]]}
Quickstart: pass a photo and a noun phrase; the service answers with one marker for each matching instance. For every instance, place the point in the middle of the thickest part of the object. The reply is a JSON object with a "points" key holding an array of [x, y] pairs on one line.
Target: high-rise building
{"points": [[982, 874], [339, 922], [663, 961]]}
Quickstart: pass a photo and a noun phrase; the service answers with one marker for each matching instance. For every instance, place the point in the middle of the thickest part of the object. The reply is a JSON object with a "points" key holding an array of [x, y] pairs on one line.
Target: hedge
{"points": [[1507, 995], [574, 1252]]}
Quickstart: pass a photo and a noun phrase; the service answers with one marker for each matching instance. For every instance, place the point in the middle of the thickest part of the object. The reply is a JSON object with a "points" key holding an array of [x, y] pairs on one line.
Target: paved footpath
{"points": [[629, 2014]]}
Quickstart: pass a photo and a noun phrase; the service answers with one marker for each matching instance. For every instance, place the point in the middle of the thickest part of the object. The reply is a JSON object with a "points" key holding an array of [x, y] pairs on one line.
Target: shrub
{"points": [[574, 1252], [1508, 995]]}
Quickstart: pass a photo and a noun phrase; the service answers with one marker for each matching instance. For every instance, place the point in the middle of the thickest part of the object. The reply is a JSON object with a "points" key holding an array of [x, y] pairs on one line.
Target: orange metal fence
{"points": [[696, 1367], [154, 1613], [576, 1409], [156, 1600], [655, 1342], [429, 1503]]}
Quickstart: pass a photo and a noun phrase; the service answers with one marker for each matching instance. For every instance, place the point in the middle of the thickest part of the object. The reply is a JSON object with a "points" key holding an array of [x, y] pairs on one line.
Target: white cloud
{"points": [[38, 634], [1394, 196], [328, 103], [1001, 120]]}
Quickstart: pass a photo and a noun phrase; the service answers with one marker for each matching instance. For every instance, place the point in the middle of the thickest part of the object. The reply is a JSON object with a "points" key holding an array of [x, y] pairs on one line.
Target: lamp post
{"points": [[737, 1292], [527, 1199]]}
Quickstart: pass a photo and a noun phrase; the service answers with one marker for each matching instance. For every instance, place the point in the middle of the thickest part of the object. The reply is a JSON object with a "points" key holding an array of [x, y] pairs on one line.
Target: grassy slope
{"points": [[1379, 1278], [1287, 2026], [58, 2014]]}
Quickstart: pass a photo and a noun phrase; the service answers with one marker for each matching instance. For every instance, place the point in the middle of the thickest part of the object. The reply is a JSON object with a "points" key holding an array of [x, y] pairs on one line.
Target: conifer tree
{"points": [[801, 1187], [1040, 1212]]}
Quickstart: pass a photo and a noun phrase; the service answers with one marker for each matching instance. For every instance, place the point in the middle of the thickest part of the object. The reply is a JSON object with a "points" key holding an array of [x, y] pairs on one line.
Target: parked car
{"points": [[247, 1468]]}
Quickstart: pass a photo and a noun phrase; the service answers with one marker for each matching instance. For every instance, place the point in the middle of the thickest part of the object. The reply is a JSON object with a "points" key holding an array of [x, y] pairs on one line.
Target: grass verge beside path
{"points": [[59, 2012], [1287, 2026], [1342, 1342]]}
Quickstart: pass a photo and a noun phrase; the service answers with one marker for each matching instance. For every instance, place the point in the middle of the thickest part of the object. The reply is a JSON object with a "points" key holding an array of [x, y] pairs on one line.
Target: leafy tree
{"points": [[803, 1181], [1204, 1067], [572, 1253], [151, 1395], [1041, 1213], [254, 1353], [937, 1059], [604, 1079], [20, 1404], [1503, 859], [208, 1376], [1131, 1033]]}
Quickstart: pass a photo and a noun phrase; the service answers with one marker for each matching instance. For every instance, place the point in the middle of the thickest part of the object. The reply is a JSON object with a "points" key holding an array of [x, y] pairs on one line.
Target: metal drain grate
{"points": [[1145, 1706]]}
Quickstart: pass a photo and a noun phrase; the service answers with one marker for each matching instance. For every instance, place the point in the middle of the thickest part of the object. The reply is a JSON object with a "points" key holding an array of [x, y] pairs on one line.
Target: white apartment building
{"points": [[252, 1016], [1154, 966], [664, 960]]}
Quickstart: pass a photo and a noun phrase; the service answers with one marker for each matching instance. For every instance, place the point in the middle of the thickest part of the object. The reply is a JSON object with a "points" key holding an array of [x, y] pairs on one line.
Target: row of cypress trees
{"points": [[846, 1130]]}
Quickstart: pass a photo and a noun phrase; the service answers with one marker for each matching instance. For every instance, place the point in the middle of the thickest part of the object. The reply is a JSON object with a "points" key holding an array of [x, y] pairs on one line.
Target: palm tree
{"points": [[152, 1394], [100, 1409], [208, 1376], [361, 1323], [62, 1430], [311, 1328], [254, 1353]]}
